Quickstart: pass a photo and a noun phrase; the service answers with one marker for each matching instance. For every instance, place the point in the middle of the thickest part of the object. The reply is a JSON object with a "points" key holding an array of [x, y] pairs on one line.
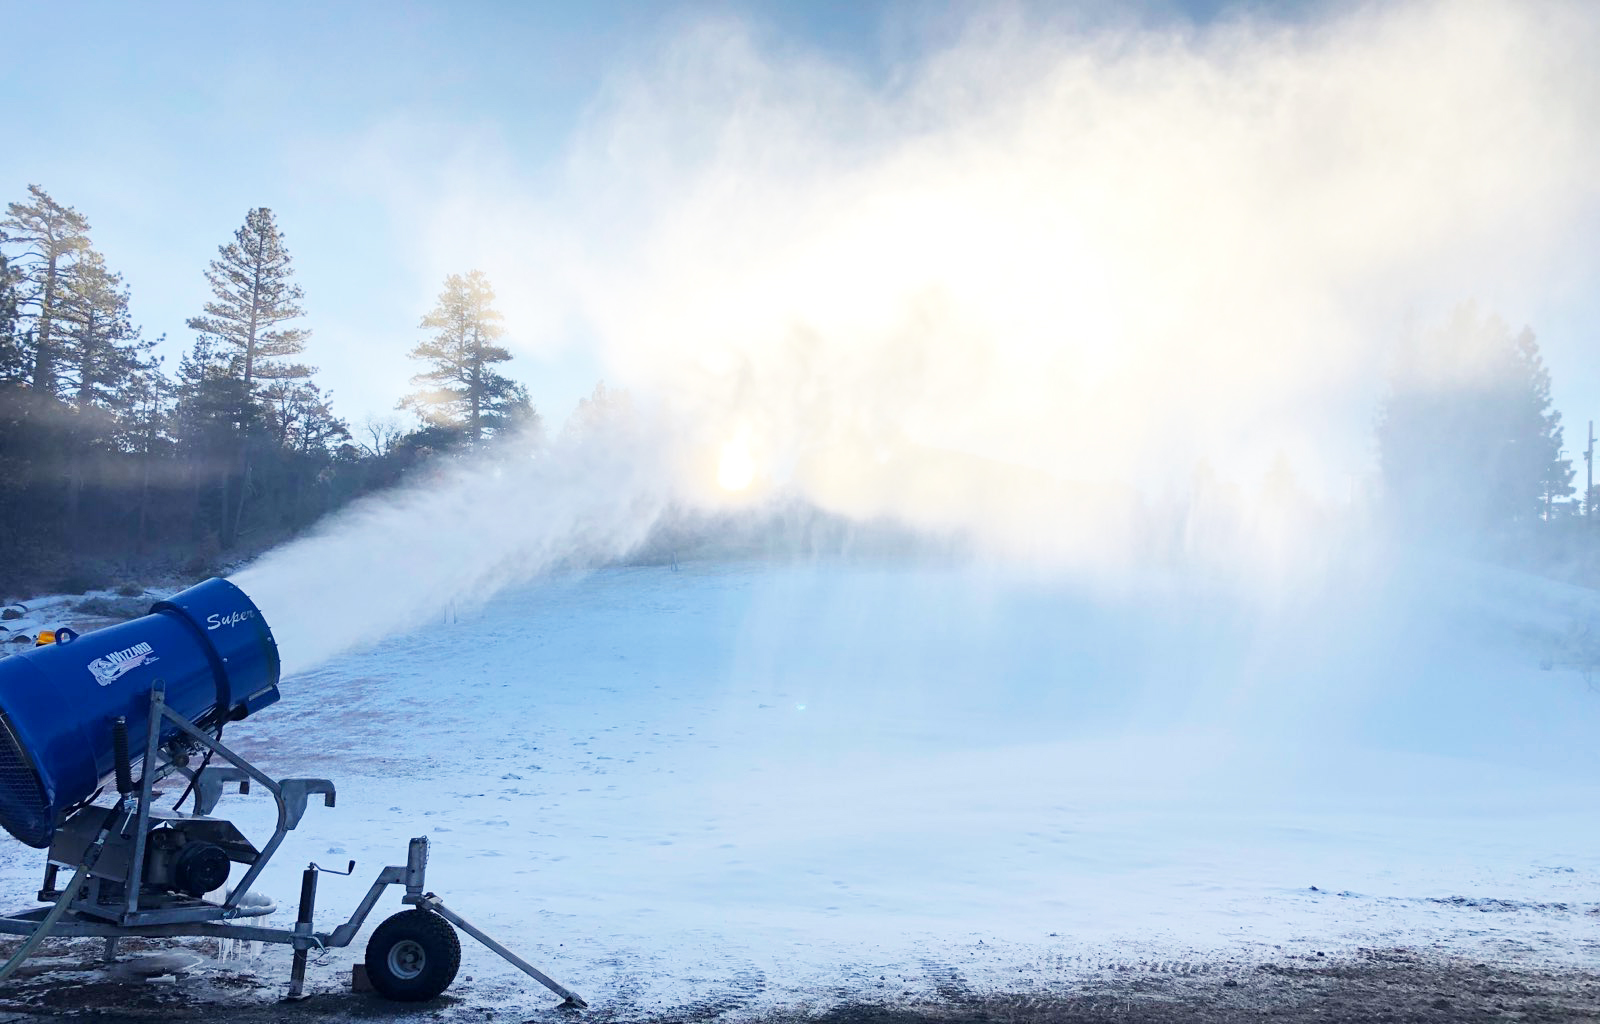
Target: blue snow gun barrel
{"points": [[208, 646]]}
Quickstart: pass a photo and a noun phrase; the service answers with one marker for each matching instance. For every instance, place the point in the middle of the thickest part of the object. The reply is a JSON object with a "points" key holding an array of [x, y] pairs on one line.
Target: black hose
{"points": [[190, 788]]}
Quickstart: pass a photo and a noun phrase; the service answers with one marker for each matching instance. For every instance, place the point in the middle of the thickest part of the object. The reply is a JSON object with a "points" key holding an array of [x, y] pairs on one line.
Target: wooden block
{"points": [[359, 982]]}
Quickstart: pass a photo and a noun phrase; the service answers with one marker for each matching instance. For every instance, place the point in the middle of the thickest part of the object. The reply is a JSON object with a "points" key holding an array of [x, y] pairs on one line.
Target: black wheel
{"points": [[413, 956]]}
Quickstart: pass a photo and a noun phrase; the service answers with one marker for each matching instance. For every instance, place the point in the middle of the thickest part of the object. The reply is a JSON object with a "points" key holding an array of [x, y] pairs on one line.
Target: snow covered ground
{"points": [[745, 783]]}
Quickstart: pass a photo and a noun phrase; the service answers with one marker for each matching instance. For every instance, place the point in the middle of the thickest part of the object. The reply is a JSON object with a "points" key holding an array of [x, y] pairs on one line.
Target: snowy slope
{"points": [[743, 780]]}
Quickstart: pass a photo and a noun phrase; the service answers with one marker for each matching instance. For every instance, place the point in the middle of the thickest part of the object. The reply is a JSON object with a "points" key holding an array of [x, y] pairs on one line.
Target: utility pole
{"points": [[1588, 492]]}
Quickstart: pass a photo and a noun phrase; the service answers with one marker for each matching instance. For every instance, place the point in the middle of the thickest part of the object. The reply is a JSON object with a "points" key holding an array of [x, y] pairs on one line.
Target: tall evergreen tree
{"points": [[49, 240], [144, 432], [15, 444], [463, 393], [1467, 437], [253, 295], [12, 364], [605, 409], [209, 395], [101, 356], [102, 352], [301, 419]]}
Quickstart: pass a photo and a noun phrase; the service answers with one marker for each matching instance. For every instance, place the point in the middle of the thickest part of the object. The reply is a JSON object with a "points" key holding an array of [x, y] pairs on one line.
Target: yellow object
{"points": [[46, 636]]}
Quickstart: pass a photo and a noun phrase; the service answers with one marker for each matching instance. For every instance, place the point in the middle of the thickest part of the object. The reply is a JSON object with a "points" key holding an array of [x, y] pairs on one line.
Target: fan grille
{"points": [[24, 811]]}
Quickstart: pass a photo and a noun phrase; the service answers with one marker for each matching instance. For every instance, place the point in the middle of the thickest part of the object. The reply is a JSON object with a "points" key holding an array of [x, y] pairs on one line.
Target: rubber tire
{"points": [[441, 955]]}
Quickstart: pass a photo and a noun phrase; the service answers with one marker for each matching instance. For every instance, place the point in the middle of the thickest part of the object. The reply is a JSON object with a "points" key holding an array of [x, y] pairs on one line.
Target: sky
{"points": [[400, 142]]}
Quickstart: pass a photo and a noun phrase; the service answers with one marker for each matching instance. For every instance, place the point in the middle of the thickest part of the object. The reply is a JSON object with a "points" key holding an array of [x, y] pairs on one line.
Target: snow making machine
{"points": [[131, 705]]}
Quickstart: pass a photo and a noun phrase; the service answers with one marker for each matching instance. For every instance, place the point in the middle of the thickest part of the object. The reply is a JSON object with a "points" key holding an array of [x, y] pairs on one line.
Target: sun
{"points": [[737, 468]]}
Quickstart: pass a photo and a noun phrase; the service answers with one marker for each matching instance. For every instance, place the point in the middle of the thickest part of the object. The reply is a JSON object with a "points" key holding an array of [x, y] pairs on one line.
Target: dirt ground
{"points": [[1385, 986]]}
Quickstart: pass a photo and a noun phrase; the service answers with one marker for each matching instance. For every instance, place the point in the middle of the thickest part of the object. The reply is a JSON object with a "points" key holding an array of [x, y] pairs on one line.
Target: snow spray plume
{"points": [[399, 559], [1077, 294], [1041, 279]]}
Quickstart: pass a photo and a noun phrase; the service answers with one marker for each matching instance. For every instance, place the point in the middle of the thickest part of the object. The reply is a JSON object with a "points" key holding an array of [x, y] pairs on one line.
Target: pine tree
{"points": [[301, 418], [253, 295], [144, 433], [16, 449], [50, 239], [12, 364], [206, 426], [1467, 437], [102, 352], [101, 355], [463, 393], [606, 409]]}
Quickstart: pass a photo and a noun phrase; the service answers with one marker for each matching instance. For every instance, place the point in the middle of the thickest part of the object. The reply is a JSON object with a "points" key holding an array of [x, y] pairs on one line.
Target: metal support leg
{"points": [[47, 893], [32, 942], [147, 781], [572, 998], [109, 954], [68, 894], [302, 926]]}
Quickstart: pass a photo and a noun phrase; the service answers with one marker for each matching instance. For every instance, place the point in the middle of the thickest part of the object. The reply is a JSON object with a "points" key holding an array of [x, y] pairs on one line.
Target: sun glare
{"points": [[737, 468]]}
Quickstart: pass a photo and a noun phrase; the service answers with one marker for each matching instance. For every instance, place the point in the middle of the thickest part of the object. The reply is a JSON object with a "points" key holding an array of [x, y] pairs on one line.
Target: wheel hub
{"points": [[407, 959]]}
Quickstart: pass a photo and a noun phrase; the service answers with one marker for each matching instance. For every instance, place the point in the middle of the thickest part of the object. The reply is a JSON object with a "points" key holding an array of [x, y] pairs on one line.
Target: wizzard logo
{"points": [[115, 665]]}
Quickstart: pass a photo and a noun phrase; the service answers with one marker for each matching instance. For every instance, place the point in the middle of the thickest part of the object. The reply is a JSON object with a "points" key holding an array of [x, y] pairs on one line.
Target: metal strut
{"points": [[436, 905]]}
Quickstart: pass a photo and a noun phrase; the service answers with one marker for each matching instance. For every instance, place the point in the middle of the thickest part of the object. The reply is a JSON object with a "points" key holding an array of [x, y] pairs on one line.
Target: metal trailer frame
{"points": [[82, 909]]}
